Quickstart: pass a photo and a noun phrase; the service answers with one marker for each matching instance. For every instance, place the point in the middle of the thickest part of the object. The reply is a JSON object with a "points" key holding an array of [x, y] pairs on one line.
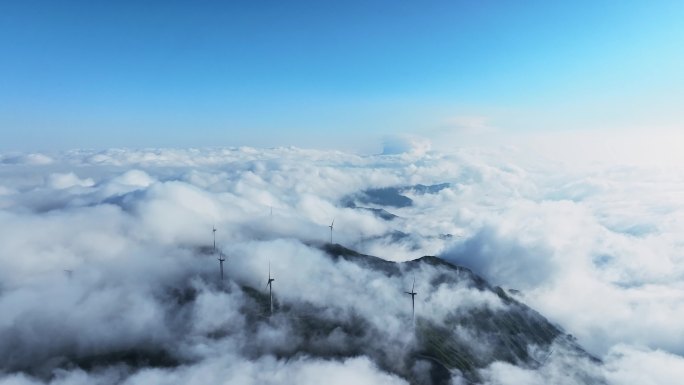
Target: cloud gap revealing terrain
{"points": [[474, 267]]}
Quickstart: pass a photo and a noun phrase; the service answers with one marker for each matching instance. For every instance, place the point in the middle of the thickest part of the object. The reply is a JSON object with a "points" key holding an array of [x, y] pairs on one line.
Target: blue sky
{"points": [[325, 74]]}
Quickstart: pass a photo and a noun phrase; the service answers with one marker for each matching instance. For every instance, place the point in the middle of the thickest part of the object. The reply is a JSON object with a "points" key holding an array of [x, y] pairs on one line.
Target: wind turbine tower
{"points": [[221, 259], [270, 286], [213, 229], [413, 293], [331, 229]]}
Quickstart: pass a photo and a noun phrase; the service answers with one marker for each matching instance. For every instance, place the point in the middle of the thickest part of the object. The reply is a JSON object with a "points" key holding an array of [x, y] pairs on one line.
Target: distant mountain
{"points": [[390, 196], [380, 213], [423, 189]]}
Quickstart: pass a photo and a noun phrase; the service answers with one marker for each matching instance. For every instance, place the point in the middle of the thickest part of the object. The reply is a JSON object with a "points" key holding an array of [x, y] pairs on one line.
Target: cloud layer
{"points": [[107, 258]]}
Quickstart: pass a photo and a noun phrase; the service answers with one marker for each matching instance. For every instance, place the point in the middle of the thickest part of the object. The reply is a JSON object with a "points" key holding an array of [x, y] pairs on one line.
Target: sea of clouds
{"points": [[97, 250]]}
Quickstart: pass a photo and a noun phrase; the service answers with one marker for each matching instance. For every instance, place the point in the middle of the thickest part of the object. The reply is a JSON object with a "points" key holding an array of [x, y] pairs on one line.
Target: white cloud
{"points": [[627, 365], [598, 251], [405, 144], [61, 181], [34, 159]]}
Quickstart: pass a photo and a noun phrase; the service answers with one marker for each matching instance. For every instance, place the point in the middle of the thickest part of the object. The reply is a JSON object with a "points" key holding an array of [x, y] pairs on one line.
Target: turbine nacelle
{"points": [[331, 226], [269, 284], [221, 259], [413, 294]]}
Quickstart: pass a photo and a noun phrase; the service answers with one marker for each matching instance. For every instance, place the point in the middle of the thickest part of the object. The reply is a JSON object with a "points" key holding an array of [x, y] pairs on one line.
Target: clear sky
{"points": [[331, 74]]}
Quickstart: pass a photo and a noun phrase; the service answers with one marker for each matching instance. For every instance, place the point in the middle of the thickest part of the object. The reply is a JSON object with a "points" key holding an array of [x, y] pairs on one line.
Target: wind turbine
{"points": [[221, 258], [413, 293], [331, 229], [213, 229], [270, 286]]}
